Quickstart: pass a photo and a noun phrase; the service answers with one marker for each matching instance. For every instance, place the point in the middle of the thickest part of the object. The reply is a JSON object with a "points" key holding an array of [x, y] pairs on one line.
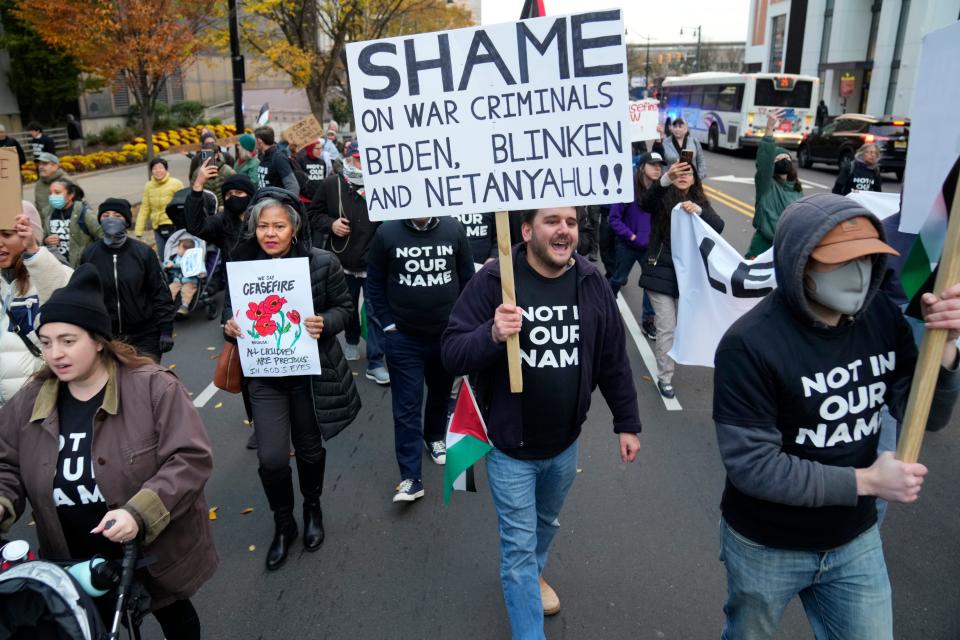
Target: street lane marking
{"points": [[815, 184], [205, 396], [733, 203], [646, 353]]}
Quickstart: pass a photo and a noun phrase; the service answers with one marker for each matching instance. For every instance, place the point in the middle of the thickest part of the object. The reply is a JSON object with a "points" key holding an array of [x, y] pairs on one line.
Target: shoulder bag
{"points": [[228, 375]]}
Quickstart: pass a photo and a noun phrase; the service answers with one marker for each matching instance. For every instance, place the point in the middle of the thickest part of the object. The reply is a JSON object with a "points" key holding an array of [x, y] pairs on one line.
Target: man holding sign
{"points": [[800, 383], [571, 341]]}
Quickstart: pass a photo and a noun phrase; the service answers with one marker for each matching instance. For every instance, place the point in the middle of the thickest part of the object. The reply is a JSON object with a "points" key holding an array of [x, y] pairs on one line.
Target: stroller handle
{"points": [[131, 552]]}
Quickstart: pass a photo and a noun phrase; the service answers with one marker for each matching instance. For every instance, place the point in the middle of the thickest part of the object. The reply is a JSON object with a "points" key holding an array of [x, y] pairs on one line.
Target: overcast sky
{"points": [[659, 19]]}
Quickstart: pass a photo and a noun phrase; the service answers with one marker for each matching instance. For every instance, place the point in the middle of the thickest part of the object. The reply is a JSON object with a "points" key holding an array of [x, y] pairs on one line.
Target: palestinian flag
{"points": [[919, 270], [264, 116], [532, 9], [467, 443]]}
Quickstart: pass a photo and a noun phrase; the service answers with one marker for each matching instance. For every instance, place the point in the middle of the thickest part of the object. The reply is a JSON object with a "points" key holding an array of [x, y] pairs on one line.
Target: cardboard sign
{"points": [[271, 299], [11, 196], [303, 132], [504, 117], [644, 118]]}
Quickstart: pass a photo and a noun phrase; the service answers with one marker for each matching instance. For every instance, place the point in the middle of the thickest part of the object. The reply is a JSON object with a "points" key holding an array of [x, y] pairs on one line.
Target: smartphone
{"points": [[686, 156], [205, 154]]}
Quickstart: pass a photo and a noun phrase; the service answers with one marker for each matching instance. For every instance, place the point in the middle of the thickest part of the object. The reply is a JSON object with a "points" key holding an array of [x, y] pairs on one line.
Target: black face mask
{"points": [[782, 166], [236, 205]]}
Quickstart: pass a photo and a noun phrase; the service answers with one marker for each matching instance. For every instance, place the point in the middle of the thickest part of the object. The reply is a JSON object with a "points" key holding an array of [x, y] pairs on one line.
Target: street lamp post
{"points": [[237, 65], [699, 30]]}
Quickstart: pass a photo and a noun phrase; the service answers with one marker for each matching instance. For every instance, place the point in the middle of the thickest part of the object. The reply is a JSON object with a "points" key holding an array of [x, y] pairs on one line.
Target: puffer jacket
{"points": [[156, 196], [84, 229], [20, 312], [336, 401]]}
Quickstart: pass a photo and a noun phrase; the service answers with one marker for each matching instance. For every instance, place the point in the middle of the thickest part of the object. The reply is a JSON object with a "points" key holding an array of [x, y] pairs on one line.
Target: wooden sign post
{"points": [[931, 349], [11, 195], [509, 297]]}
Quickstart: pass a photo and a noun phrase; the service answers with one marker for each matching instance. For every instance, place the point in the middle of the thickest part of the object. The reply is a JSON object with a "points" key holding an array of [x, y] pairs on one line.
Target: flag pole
{"points": [[931, 349], [509, 297]]}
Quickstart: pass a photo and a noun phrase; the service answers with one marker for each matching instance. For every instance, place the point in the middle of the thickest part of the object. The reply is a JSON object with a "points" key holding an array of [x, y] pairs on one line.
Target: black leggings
{"points": [[179, 621], [283, 408]]}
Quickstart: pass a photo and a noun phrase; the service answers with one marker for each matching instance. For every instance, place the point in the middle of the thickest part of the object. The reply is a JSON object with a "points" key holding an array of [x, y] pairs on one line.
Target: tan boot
{"points": [[551, 603]]}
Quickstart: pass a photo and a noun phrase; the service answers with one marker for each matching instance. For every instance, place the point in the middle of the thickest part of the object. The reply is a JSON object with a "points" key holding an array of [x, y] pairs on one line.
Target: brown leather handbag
{"points": [[228, 375]]}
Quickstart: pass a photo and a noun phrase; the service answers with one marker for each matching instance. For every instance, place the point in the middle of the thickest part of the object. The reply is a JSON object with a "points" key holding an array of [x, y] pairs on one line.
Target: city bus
{"points": [[729, 110]]}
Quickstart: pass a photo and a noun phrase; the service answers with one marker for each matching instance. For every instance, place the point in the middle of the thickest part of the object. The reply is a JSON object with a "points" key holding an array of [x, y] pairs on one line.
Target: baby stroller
{"points": [[44, 601], [210, 260]]}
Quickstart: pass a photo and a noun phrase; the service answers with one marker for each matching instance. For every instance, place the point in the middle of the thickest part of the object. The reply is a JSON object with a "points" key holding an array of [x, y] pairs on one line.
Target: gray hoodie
{"points": [[789, 450]]}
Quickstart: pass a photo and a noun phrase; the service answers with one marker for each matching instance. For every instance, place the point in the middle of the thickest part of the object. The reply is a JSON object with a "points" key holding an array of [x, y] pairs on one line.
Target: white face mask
{"points": [[845, 288]]}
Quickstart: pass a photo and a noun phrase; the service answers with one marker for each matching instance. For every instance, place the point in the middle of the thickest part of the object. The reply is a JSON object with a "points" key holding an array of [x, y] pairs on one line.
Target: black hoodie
{"points": [[797, 403]]}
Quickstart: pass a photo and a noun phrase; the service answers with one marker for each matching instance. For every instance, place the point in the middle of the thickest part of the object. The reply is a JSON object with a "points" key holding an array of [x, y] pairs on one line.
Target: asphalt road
{"points": [[636, 556]]}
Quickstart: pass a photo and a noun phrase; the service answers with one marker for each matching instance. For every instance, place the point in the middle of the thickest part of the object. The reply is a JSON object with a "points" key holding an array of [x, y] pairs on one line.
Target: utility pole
{"points": [[237, 63], [699, 31]]}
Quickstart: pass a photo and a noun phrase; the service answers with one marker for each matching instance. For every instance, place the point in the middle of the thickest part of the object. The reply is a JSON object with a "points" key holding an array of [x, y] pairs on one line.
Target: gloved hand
{"points": [[166, 343]]}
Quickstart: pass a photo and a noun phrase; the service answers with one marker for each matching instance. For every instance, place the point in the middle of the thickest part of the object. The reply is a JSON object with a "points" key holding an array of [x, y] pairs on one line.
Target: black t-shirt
{"points": [[80, 505], [823, 389], [550, 360], [60, 227], [274, 167], [481, 232], [43, 144], [314, 172]]}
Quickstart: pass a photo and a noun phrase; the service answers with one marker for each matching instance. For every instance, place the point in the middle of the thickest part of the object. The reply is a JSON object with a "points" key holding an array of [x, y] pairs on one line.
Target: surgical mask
{"points": [[57, 201], [782, 166], [844, 289], [236, 205], [353, 175], [114, 231]]}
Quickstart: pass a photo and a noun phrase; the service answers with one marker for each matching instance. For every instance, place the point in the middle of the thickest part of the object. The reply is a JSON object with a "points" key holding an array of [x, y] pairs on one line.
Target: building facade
{"points": [[865, 52]]}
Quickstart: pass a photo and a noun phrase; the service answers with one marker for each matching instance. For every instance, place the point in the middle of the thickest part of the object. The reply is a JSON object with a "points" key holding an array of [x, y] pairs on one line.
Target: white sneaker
{"points": [[409, 490], [438, 451], [351, 351], [378, 375]]}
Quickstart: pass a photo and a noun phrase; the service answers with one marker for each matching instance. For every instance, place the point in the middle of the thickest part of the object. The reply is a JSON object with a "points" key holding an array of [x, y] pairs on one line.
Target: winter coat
{"points": [[135, 290], [335, 197], [156, 196], [336, 401], [249, 168], [857, 176], [671, 154], [773, 196], [214, 184], [658, 272], [152, 458], [84, 229], [19, 315], [631, 220], [221, 229], [41, 189], [468, 348]]}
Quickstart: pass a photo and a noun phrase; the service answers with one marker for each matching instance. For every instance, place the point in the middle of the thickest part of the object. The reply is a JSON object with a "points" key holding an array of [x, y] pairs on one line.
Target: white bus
{"points": [[729, 110]]}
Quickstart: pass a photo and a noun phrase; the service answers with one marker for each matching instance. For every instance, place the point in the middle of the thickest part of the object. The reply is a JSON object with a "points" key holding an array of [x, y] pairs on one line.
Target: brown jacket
{"points": [[153, 463]]}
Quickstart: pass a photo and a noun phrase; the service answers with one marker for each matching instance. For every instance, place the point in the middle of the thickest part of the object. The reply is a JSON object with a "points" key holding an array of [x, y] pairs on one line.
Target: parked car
{"points": [[838, 140]]}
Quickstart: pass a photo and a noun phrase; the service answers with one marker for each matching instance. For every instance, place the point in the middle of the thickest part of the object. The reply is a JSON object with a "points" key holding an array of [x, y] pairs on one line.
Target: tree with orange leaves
{"points": [[142, 41]]}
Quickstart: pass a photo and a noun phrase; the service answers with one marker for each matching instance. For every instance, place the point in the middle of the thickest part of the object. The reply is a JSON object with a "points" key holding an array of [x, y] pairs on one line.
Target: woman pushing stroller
{"points": [[142, 478]]}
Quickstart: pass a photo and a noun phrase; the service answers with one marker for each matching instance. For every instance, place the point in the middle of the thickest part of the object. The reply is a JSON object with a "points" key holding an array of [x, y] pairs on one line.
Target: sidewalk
{"points": [[126, 182]]}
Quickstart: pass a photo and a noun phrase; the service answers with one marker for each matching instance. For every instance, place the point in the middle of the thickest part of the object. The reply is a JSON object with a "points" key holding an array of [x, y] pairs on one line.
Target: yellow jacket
{"points": [[156, 197]]}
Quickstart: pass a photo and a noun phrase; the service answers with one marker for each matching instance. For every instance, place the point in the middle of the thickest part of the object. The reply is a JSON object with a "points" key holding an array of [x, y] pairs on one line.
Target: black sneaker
{"points": [[409, 490], [648, 330], [666, 390]]}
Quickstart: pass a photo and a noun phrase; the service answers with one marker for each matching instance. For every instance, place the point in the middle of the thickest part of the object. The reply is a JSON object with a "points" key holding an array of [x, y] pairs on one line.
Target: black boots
{"points": [[278, 485], [311, 486]]}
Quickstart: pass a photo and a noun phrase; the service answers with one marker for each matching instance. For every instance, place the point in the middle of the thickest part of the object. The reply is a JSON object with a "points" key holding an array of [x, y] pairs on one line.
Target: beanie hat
{"points": [[239, 182], [119, 205], [248, 142], [80, 303]]}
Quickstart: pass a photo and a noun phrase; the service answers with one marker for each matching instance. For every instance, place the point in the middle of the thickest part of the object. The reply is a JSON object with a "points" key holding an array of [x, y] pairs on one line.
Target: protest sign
{"points": [[504, 117], [191, 264], [644, 118], [303, 132], [11, 196], [271, 298]]}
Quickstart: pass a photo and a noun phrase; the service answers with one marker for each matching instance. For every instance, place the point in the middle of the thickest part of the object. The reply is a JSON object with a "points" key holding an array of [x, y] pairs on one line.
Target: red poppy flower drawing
{"points": [[264, 325]]}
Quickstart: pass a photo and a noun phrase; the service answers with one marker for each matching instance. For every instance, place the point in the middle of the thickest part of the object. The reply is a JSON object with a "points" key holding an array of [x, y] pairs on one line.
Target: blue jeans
{"points": [[845, 591], [528, 496], [414, 361], [374, 331], [627, 255]]}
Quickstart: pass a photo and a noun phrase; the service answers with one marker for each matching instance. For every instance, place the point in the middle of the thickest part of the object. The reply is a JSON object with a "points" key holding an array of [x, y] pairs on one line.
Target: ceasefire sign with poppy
{"points": [[264, 325]]}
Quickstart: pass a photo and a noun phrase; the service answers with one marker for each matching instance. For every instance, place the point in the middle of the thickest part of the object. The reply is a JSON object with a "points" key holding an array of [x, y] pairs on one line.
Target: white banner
{"points": [[717, 286], [934, 140], [271, 299], [191, 265], [504, 117], [644, 118]]}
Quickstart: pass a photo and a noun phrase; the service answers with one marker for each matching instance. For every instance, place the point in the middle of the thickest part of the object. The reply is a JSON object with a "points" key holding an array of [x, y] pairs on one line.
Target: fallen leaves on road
{"points": [[246, 511], [252, 547], [218, 405], [171, 366], [245, 421], [646, 378], [211, 348], [213, 513]]}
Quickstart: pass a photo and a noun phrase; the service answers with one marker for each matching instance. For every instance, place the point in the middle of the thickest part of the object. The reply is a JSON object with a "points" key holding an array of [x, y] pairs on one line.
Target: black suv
{"points": [[838, 140]]}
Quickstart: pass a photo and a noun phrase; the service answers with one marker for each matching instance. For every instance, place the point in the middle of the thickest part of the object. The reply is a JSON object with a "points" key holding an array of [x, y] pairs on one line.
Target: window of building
{"points": [[778, 38]]}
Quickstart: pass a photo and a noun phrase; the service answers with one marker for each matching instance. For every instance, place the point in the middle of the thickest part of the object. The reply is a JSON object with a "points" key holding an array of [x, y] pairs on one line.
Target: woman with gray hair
{"points": [[308, 409], [863, 174]]}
